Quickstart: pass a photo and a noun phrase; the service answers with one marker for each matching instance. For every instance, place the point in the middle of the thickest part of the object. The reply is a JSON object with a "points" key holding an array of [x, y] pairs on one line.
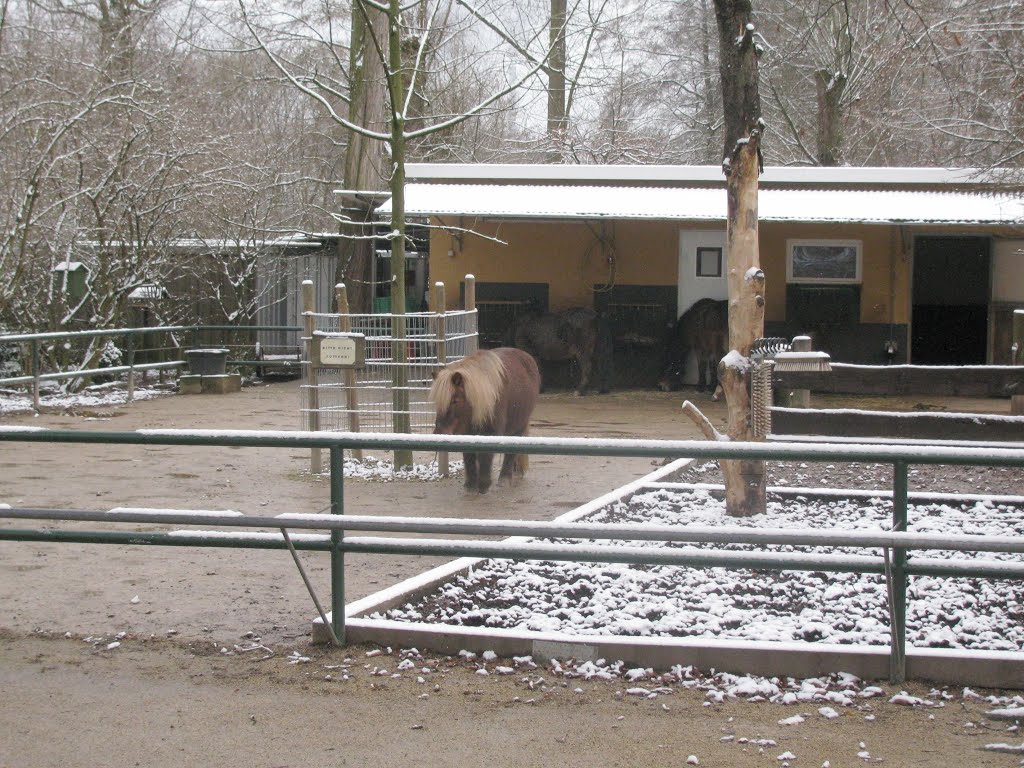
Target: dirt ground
{"points": [[167, 656]]}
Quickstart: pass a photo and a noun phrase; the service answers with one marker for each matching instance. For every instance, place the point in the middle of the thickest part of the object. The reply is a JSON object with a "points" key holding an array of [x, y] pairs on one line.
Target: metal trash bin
{"points": [[207, 362]]}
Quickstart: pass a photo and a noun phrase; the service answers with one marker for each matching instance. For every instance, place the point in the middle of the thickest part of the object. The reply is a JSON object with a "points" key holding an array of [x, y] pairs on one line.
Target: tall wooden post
{"points": [[349, 374], [797, 398], [470, 306], [312, 383], [741, 103], [437, 305]]}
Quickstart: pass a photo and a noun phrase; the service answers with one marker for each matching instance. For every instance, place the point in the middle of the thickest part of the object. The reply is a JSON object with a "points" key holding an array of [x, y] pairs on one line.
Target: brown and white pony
{"points": [[490, 392]]}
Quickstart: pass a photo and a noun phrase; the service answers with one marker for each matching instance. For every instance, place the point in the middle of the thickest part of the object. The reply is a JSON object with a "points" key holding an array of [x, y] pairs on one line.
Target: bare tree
{"points": [[825, 62], [975, 57], [113, 173], [404, 66]]}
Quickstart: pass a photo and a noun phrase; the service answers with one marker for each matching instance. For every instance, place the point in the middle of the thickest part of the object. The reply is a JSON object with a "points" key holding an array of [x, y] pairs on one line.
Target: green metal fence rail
{"points": [[894, 563]]}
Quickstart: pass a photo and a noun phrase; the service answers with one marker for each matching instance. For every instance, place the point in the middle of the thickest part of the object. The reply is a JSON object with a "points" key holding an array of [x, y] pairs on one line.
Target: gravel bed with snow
{"points": [[845, 608]]}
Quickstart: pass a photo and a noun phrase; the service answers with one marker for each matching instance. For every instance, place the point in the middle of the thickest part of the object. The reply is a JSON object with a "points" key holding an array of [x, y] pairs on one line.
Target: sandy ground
{"points": [[175, 691]]}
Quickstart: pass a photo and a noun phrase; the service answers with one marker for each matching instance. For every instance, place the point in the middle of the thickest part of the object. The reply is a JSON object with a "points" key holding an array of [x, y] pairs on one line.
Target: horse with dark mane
{"points": [[578, 334], [490, 392], [703, 329]]}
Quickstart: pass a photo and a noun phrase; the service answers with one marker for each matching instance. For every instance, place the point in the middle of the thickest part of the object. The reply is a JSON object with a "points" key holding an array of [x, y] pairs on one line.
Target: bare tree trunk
{"points": [[744, 480], [557, 118], [709, 108], [116, 38], [399, 354], [362, 172], [830, 87]]}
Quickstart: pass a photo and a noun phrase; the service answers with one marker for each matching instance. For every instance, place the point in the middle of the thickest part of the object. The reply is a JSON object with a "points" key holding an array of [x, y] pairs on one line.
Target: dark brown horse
{"points": [[490, 392], [579, 335], [704, 330]]}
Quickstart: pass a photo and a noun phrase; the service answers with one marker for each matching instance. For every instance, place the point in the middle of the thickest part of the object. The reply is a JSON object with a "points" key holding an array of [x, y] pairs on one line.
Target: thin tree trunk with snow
{"points": [[399, 355]]}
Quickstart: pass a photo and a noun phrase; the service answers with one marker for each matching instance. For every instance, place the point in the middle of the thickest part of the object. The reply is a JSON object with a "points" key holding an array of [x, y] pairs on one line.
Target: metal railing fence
{"points": [[336, 396], [894, 563], [156, 348]]}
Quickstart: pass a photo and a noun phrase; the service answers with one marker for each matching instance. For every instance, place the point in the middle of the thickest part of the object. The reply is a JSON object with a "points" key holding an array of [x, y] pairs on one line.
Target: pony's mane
{"points": [[483, 376]]}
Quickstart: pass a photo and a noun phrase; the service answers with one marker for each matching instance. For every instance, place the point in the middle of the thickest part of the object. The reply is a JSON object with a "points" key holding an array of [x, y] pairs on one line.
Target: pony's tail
{"points": [[522, 460]]}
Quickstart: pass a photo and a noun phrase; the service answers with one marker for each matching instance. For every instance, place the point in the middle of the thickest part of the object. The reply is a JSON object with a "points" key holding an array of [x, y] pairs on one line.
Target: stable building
{"points": [[878, 265]]}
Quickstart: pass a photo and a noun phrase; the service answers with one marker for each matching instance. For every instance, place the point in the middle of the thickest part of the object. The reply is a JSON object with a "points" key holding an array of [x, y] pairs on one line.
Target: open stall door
{"points": [[952, 285]]}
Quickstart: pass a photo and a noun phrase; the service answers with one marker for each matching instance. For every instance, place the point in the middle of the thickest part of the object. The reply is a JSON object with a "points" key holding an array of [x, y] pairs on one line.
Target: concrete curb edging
{"points": [[986, 669]]}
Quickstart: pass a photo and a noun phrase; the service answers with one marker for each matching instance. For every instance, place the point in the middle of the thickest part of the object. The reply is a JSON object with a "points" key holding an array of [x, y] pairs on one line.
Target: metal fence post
{"points": [[130, 359], [36, 373], [898, 630], [337, 553]]}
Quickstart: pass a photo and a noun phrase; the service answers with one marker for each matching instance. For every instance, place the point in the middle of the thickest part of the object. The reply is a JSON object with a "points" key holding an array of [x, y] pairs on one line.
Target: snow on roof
{"points": [[682, 174], [69, 266], [701, 204], [221, 244]]}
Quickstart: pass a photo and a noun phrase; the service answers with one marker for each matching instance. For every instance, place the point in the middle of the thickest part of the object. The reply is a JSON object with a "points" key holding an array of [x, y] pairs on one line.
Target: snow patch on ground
{"points": [[759, 605], [94, 397]]}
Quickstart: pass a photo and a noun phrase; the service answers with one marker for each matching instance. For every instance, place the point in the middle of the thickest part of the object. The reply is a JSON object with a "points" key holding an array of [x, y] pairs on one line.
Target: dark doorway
{"points": [[949, 324]]}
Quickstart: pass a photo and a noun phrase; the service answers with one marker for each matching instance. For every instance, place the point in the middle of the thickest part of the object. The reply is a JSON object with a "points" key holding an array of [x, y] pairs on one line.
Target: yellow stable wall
{"points": [[572, 257]]}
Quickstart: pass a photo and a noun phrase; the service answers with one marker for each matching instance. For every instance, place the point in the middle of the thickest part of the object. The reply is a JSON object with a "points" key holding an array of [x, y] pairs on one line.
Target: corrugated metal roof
{"points": [[694, 204], [691, 174]]}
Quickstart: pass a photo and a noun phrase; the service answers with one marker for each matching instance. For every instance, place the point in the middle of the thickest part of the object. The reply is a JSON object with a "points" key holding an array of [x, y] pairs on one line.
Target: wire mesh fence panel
{"points": [[402, 354]]}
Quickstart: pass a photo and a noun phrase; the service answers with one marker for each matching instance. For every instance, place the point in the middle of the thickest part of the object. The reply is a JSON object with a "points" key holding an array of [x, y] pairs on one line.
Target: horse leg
{"points": [[483, 468], [469, 461], [586, 364], [513, 467]]}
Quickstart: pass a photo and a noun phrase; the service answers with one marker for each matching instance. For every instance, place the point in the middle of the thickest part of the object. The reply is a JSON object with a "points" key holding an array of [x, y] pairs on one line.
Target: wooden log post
{"points": [[739, 49], [469, 304], [797, 398], [348, 376], [312, 383], [745, 487], [437, 305]]}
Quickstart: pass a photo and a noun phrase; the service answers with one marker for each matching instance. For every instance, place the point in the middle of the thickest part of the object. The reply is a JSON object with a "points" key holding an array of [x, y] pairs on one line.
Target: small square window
{"points": [[709, 262]]}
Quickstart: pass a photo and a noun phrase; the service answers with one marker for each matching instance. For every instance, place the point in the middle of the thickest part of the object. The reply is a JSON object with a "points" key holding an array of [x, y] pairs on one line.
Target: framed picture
{"points": [[823, 261]]}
